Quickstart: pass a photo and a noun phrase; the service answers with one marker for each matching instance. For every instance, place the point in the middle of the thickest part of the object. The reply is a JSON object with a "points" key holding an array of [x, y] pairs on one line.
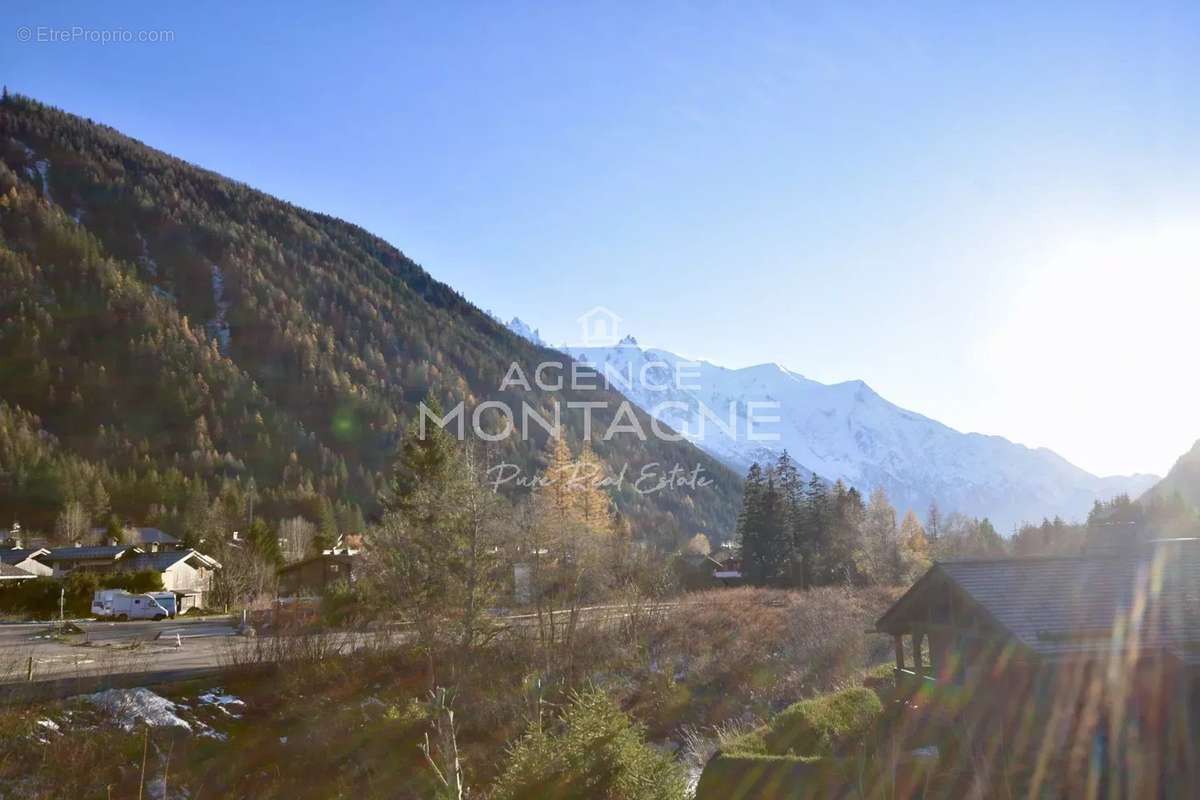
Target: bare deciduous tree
{"points": [[72, 523], [297, 535]]}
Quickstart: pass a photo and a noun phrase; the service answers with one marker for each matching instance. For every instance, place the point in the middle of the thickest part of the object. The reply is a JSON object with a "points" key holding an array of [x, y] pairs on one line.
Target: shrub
{"points": [[751, 742], [146, 580], [826, 725], [38, 596], [594, 752]]}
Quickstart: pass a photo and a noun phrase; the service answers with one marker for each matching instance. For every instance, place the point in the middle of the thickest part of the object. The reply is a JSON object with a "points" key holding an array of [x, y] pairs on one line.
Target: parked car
{"points": [[122, 605]]}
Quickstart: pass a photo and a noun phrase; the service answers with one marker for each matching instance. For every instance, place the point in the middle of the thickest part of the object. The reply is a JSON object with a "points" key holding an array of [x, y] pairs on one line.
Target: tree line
{"points": [[801, 533], [155, 317]]}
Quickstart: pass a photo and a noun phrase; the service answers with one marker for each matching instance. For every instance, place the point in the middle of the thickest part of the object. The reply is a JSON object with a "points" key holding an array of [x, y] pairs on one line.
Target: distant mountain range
{"points": [[847, 431]]}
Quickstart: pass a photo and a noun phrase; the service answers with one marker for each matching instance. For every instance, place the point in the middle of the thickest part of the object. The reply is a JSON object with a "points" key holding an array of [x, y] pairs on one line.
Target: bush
{"points": [[38, 597], [594, 752], [826, 725], [752, 742], [757, 650], [147, 580]]}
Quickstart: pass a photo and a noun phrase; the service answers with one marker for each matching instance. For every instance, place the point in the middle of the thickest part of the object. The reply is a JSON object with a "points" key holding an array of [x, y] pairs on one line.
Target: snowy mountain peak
{"points": [[520, 328], [848, 431]]}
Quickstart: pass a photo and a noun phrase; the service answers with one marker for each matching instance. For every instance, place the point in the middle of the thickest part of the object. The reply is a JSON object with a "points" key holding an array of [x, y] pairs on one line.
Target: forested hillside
{"points": [[1182, 483], [173, 342]]}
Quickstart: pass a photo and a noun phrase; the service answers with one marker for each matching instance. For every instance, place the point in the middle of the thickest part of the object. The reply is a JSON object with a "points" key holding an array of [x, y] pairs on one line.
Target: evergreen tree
{"points": [[114, 531], [327, 529], [795, 549], [98, 505], [263, 541], [815, 518], [436, 548], [751, 525]]}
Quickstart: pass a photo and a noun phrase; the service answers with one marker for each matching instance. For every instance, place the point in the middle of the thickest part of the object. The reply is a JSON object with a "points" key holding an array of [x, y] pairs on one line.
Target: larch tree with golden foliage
{"points": [[569, 537], [914, 548]]}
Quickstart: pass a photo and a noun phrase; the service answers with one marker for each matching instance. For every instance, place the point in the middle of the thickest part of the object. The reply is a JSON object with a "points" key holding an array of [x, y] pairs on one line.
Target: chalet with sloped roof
{"points": [[188, 573], [100, 558], [27, 559], [1087, 665]]}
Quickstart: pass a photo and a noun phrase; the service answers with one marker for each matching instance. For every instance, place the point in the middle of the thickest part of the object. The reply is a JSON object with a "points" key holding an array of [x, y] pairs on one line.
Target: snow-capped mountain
{"points": [[520, 328], [846, 431]]}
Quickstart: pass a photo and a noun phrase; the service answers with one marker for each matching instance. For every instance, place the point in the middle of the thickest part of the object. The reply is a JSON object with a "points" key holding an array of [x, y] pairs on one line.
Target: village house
{"points": [[101, 559], [10, 575], [185, 572], [27, 559], [1081, 671], [313, 576]]}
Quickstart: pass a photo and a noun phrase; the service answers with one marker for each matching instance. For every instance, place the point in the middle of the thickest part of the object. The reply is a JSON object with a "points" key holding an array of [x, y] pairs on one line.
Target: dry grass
{"points": [[710, 662]]}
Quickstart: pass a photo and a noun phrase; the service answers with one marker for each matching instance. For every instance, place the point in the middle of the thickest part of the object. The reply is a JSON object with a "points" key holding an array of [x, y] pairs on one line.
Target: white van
{"points": [[120, 604]]}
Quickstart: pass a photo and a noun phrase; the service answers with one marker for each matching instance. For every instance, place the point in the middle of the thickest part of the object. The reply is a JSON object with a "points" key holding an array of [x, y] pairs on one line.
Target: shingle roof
{"points": [[165, 559], [79, 553], [15, 555], [9, 572], [1147, 598]]}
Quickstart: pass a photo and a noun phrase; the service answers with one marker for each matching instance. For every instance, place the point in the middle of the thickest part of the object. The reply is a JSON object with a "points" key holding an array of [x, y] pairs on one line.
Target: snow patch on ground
{"points": [[224, 702], [40, 166], [145, 260], [219, 326], [43, 168], [50, 725], [130, 706]]}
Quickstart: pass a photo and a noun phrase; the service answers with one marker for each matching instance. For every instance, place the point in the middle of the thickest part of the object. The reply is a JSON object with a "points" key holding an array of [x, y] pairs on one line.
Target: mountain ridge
{"points": [[1183, 479], [848, 431], [171, 330]]}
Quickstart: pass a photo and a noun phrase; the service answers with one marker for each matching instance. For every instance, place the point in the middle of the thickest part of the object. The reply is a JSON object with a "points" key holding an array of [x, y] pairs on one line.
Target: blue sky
{"points": [[990, 215]]}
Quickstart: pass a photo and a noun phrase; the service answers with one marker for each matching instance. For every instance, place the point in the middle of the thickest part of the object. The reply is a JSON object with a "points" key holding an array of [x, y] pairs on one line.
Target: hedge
{"points": [[39, 596]]}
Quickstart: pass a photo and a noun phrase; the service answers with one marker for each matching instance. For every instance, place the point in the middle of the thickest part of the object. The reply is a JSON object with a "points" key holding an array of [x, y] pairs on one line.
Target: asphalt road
{"points": [[36, 661], [111, 647]]}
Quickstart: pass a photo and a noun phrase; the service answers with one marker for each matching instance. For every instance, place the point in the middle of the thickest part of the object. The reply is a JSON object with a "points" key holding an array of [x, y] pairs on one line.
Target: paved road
{"points": [[147, 652], [111, 647]]}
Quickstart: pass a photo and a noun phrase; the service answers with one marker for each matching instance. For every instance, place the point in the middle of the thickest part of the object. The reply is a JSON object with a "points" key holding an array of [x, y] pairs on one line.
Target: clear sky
{"points": [[991, 216]]}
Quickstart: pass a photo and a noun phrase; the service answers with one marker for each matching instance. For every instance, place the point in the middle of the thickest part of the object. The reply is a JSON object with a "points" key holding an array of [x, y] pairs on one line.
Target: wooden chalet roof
{"points": [[1147, 599]]}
